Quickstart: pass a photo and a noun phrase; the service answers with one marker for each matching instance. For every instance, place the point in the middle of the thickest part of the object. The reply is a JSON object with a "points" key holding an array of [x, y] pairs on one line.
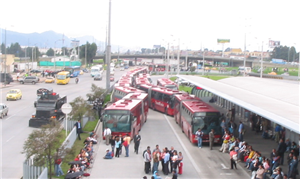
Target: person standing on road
{"points": [[241, 131], [166, 161], [199, 135], [78, 128], [118, 146], [233, 158], [281, 149], [107, 135], [171, 152], [211, 137], [147, 160], [127, 139], [137, 139]]}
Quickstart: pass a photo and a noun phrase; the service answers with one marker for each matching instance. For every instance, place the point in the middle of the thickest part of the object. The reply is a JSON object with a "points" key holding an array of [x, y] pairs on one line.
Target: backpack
{"points": [[144, 153]]}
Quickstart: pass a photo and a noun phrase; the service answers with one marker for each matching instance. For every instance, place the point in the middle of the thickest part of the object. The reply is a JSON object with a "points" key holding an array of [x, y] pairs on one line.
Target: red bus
{"points": [[167, 83], [197, 114], [145, 106], [162, 99], [120, 91], [123, 117], [179, 98]]}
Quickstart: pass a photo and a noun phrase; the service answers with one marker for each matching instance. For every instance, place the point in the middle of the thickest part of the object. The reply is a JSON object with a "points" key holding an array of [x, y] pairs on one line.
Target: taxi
{"points": [[81, 72], [14, 94], [49, 80], [272, 73]]}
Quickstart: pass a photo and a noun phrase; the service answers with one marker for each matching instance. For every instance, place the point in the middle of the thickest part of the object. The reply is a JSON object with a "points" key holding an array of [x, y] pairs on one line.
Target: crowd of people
{"points": [[83, 160], [260, 166], [170, 161]]}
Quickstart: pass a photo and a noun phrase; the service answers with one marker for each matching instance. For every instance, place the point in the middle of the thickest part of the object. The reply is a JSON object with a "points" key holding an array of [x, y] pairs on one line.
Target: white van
{"points": [[244, 69]]}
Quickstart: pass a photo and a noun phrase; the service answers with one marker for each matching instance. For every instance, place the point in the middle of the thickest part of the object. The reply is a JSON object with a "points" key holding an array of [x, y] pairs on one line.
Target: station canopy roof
{"points": [[273, 99]]}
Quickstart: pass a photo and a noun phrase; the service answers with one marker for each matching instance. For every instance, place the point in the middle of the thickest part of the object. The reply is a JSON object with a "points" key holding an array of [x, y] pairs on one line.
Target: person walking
{"points": [[281, 150], [107, 135], [78, 128], [211, 137], [57, 167], [137, 139], [233, 158], [199, 135]]}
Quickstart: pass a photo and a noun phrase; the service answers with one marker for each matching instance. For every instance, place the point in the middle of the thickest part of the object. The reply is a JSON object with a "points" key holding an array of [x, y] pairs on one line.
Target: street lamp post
{"points": [[168, 58], [5, 60], [108, 50], [178, 57], [55, 54]]}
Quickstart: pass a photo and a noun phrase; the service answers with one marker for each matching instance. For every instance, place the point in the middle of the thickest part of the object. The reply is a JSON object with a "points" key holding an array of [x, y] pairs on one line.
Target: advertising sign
{"points": [[223, 40], [273, 44]]}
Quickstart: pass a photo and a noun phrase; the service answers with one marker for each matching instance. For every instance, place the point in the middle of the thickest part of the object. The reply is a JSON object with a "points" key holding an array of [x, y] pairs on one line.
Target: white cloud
{"points": [[143, 23]]}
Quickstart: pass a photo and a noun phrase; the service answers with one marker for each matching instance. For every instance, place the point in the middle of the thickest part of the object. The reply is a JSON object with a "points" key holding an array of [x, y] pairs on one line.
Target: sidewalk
{"points": [[264, 146]]}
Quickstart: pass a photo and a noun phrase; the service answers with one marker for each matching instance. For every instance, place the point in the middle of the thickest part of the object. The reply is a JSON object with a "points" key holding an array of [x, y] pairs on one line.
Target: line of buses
{"points": [[134, 94]]}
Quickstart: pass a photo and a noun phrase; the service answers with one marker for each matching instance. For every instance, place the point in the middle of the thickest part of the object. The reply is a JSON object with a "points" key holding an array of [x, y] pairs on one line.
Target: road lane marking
{"points": [[224, 167], [10, 138], [183, 146], [9, 117]]}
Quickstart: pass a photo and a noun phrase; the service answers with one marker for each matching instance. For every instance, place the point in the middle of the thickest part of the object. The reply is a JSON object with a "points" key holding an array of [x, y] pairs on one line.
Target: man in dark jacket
{"points": [[78, 128], [137, 138], [281, 149]]}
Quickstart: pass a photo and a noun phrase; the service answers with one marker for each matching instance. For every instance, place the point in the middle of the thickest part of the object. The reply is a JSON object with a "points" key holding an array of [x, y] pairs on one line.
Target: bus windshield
{"points": [[206, 121], [117, 120], [94, 70], [61, 77]]}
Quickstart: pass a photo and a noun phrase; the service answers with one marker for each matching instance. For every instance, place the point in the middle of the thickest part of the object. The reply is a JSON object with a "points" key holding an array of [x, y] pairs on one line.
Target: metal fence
{"points": [[34, 172]]}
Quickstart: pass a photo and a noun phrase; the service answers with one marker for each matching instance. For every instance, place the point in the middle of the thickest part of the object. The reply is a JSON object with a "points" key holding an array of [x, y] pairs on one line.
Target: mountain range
{"points": [[48, 39]]}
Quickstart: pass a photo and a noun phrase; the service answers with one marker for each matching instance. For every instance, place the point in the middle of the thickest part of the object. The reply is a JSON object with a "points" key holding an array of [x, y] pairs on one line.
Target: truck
{"points": [[97, 69], [48, 106]]}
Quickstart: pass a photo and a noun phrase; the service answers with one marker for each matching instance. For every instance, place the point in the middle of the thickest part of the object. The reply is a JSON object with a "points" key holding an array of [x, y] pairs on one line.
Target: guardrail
{"points": [[275, 76], [34, 172]]}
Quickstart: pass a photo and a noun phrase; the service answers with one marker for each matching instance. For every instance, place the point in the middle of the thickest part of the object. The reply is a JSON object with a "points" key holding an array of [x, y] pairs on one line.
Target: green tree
{"points": [[65, 51], [91, 52], [15, 49], [96, 92], [50, 52], [44, 145], [80, 107]]}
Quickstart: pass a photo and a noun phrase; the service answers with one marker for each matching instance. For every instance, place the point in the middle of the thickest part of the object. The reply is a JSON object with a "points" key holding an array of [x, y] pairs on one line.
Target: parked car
{"points": [[3, 110], [35, 71], [29, 79], [49, 80], [14, 94], [97, 77]]}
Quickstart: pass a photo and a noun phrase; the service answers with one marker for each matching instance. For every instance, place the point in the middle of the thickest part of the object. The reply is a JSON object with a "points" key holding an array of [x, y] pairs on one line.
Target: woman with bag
{"points": [[126, 143]]}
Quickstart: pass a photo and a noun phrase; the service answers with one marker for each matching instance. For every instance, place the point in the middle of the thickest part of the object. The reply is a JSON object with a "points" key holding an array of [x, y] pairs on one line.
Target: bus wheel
{"points": [[166, 111], [153, 107], [182, 127], [176, 119], [189, 136]]}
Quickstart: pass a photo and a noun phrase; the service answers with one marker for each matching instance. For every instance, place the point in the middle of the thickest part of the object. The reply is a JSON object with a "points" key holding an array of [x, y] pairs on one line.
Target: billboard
{"points": [[273, 44], [156, 46], [223, 40]]}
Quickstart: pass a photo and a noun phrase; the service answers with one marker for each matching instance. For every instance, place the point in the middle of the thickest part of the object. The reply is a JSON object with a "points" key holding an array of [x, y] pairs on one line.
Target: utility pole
{"points": [[5, 60], [178, 56], [261, 63], [168, 59], [245, 55], [203, 61], [85, 54], [108, 50]]}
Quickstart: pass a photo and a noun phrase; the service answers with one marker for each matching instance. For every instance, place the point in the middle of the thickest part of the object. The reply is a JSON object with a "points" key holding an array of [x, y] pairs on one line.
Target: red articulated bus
{"points": [[162, 99], [197, 114], [145, 106], [167, 83], [123, 117], [120, 91], [157, 67], [179, 98]]}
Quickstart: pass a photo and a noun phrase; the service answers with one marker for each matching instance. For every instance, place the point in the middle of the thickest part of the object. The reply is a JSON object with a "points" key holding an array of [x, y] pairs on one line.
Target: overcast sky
{"points": [[144, 23]]}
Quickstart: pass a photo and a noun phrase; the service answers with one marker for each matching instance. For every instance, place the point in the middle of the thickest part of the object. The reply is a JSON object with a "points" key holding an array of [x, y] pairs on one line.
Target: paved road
{"points": [[14, 128], [162, 130]]}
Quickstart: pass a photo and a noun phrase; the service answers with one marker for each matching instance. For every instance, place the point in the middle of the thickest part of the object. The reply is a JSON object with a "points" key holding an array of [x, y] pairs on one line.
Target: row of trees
{"points": [[33, 52], [44, 145], [287, 53]]}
